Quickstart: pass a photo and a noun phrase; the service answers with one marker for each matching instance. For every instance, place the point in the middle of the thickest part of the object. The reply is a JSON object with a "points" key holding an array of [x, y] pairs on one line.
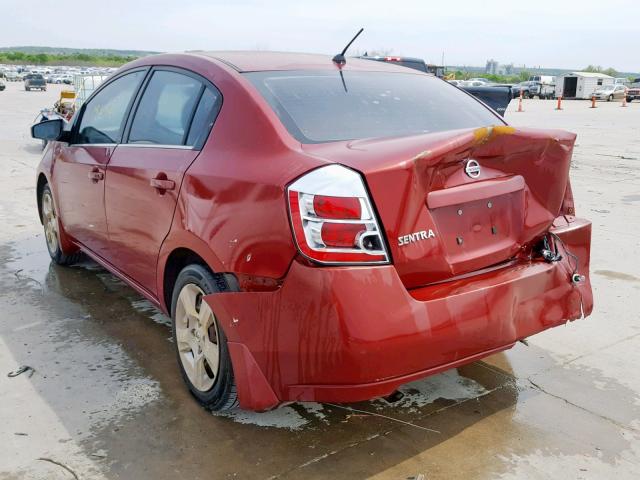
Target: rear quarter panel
{"points": [[232, 208]]}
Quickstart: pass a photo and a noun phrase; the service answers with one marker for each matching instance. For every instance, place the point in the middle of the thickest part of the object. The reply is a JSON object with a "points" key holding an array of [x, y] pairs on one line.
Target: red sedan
{"points": [[317, 231]]}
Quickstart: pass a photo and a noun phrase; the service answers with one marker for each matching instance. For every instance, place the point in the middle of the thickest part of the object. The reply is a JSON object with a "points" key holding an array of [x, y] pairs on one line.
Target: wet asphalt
{"points": [[106, 400]]}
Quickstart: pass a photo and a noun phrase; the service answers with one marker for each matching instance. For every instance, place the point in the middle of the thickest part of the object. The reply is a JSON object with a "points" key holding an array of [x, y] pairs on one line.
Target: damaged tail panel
{"points": [[456, 202]]}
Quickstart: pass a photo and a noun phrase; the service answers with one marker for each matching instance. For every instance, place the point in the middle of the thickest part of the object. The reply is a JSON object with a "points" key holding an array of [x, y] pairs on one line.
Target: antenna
{"points": [[339, 58]]}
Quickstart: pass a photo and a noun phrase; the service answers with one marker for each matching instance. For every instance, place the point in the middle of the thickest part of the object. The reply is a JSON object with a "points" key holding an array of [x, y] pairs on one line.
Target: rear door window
{"points": [[105, 114], [204, 117], [164, 113]]}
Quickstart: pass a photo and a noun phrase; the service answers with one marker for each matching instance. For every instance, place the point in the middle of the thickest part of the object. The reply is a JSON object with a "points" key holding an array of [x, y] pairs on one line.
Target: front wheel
{"points": [[201, 345], [609, 98], [51, 225]]}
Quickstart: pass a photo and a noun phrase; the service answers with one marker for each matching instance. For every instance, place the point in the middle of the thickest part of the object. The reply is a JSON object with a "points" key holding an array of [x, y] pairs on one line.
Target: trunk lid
{"points": [[445, 215]]}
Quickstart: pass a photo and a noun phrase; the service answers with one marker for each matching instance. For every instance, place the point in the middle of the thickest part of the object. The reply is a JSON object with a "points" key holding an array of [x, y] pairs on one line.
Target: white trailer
{"points": [[84, 86], [581, 84]]}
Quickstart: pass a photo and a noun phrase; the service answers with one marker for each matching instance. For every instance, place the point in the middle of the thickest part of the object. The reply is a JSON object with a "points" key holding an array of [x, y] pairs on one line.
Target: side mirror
{"points": [[48, 130]]}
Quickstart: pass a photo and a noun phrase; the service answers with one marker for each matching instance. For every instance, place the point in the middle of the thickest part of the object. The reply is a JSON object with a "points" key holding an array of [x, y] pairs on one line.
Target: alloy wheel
{"points": [[50, 220], [197, 338]]}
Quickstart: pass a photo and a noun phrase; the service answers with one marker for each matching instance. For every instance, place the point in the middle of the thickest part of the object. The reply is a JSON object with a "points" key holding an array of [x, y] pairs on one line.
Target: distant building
{"points": [[492, 67]]}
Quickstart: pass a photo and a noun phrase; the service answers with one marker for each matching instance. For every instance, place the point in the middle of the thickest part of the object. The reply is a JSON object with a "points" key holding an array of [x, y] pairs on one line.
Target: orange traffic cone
{"points": [[559, 107], [593, 101], [520, 102]]}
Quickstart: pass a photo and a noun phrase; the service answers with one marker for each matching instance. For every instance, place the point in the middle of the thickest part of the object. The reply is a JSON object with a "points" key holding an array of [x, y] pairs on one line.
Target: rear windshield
{"points": [[318, 106]]}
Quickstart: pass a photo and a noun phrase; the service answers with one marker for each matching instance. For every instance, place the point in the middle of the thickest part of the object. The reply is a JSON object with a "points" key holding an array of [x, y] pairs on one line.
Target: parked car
{"points": [[610, 92], [12, 76], [474, 83], [2, 84], [480, 80], [35, 81], [633, 92], [316, 230], [522, 86]]}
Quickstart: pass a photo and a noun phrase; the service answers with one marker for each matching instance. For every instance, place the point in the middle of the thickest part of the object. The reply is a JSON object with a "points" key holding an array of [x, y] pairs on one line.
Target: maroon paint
{"points": [[298, 331], [78, 180], [136, 234]]}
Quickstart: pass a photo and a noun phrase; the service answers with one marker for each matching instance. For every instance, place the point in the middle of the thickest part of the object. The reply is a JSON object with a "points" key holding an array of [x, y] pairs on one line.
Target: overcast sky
{"points": [[567, 33]]}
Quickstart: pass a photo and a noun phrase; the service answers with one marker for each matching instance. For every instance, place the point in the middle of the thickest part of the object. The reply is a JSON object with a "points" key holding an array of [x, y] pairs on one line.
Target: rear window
{"points": [[318, 107]]}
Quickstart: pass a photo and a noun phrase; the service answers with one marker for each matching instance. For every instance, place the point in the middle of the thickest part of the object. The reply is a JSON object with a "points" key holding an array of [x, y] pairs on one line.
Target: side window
{"points": [[204, 117], [165, 110], [104, 116]]}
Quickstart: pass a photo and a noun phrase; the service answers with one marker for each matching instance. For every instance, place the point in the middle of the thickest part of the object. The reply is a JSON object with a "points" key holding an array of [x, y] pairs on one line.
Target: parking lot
{"points": [[106, 399]]}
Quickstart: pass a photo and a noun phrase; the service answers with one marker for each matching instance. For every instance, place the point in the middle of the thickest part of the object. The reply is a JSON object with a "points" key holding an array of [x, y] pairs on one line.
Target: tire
{"points": [[195, 348], [609, 98], [629, 99], [51, 224]]}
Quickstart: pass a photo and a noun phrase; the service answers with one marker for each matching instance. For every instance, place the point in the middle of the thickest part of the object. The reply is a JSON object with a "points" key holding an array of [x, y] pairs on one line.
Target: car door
{"points": [[170, 123], [80, 166]]}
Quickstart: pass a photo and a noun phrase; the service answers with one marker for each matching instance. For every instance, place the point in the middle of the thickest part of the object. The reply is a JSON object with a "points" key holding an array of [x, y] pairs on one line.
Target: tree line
{"points": [[22, 58]]}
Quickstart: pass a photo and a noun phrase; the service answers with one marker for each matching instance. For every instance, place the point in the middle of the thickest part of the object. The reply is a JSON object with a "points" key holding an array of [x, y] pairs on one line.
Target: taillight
{"points": [[332, 218]]}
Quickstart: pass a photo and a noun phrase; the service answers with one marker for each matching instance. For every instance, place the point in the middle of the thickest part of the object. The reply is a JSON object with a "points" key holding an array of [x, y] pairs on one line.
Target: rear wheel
{"points": [[51, 225], [201, 345]]}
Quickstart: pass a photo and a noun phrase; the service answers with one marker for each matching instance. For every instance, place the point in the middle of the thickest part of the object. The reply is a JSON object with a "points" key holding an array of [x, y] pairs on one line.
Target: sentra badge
{"points": [[415, 237]]}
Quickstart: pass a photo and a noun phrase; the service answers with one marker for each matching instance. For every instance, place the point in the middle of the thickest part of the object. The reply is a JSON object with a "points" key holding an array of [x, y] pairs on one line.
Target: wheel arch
{"points": [[42, 181], [175, 257]]}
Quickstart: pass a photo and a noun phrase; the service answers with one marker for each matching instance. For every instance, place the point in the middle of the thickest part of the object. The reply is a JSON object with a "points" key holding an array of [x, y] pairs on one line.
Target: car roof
{"points": [[257, 61]]}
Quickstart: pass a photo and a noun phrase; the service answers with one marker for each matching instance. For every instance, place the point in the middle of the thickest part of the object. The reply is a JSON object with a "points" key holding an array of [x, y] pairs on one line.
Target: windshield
{"points": [[317, 107], [606, 87]]}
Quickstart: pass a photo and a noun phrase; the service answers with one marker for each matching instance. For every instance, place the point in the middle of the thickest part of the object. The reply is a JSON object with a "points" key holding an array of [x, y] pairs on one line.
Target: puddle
{"points": [[286, 417], [147, 308], [449, 385]]}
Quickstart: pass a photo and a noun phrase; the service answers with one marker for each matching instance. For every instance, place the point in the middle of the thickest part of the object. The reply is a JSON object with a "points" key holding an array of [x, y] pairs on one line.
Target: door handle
{"points": [[95, 176], [162, 184]]}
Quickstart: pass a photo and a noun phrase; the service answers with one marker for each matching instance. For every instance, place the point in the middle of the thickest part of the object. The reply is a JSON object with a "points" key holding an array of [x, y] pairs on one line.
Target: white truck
{"points": [[542, 86]]}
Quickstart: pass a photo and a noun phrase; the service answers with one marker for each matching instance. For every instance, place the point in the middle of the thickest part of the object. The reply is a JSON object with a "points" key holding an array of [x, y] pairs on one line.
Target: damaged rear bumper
{"points": [[353, 333]]}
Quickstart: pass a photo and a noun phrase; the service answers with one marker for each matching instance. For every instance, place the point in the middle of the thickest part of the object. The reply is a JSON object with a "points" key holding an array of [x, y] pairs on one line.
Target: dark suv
{"points": [[35, 81]]}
